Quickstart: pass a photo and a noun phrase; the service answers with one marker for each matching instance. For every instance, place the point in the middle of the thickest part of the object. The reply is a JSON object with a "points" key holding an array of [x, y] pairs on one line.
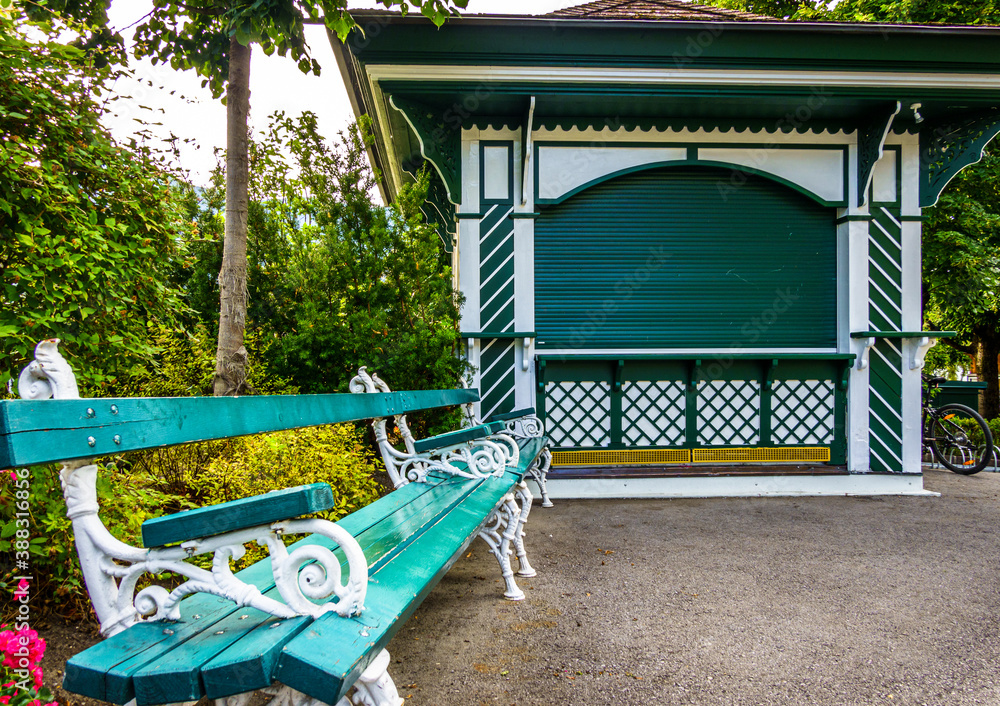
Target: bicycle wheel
{"points": [[955, 446]]}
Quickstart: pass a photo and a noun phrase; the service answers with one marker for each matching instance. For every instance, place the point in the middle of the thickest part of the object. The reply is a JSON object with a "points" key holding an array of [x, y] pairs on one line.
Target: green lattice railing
{"points": [[687, 402]]}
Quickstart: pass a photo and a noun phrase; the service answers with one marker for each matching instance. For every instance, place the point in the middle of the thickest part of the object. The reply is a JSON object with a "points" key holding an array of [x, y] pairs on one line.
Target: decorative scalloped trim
{"points": [[499, 124], [693, 128]]}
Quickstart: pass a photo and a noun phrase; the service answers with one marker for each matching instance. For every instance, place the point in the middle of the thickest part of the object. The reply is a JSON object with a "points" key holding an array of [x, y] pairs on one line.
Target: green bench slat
{"points": [[508, 416], [237, 514], [451, 438], [324, 660], [495, 427], [177, 676], [45, 431], [254, 660], [105, 671], [154, 667]]}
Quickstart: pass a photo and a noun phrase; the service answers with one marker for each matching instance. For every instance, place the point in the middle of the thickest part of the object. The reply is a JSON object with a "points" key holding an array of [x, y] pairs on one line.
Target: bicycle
{"points": [[949, 441]]}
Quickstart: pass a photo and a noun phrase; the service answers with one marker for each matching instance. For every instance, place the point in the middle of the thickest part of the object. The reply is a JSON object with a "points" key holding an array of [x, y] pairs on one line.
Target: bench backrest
{"points": [[43, 431], [40, 430]]}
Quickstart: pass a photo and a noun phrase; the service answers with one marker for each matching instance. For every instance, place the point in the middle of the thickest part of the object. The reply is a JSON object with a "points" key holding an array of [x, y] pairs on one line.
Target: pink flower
{"points": [[4, 699], [36, 672], [22, 588]]}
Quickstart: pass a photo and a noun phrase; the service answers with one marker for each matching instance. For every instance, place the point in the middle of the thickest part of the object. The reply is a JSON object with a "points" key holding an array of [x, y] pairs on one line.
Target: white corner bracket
{"points": [[918, 351], [527, 353], [865, 347]]}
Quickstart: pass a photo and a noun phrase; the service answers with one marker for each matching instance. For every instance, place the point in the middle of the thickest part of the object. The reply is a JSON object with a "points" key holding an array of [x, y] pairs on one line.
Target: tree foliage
{"points": [[961, 278], [336, 281], [89, 226]]}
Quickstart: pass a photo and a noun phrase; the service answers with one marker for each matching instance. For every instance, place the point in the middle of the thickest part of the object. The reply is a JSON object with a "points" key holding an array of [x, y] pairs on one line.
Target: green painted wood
{"points": [[229, 649], [698, 263], [155, 668], [55, 430], [243, 657], [903, 334], [498, 334], [176, 676], [510, 416], [530, 449], [451, 438], [237, 514], [106, 670], [250, 662], [324, 660]]}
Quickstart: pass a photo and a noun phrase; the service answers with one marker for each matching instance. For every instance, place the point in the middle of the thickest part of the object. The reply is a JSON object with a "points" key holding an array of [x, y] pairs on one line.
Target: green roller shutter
{"points": [[680, 258]]}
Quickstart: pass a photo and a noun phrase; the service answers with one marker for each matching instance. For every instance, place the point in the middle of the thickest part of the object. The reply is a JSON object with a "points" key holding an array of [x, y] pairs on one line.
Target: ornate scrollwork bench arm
{"points": [[490, 456], [112, 568]]}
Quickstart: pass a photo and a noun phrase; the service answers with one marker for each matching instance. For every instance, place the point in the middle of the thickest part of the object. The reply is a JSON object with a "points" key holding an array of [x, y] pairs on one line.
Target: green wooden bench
{"points": [[520, 455], [292, 624]]}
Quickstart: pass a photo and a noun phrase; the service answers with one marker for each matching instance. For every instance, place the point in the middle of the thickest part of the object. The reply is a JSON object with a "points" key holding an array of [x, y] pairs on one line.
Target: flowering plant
{"points": [[22, 650]]}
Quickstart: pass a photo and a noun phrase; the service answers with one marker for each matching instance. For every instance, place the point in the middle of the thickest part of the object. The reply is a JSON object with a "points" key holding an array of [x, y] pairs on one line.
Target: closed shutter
{"points": [[682, 258]]}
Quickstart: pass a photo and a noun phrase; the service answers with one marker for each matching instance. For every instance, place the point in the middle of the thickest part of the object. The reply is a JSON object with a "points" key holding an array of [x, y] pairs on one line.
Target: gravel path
{"points": [[735, 601], [731, 601]]}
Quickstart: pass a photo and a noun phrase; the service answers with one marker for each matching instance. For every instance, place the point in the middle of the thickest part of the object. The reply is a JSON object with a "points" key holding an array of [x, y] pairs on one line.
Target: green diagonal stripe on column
{"points": [[885, 303]]}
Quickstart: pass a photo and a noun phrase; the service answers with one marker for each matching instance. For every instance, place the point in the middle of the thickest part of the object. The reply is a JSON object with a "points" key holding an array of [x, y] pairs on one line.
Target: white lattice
{"points": [[578, 413], [653, 413], [802, 411], [729, 413]]}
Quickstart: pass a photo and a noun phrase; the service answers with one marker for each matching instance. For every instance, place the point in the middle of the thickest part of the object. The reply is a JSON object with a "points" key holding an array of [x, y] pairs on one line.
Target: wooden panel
{"points": [[106, 670], [324, 660], [44, 431], [451, 438], [679, 258], [508, 416], [237, 514]]}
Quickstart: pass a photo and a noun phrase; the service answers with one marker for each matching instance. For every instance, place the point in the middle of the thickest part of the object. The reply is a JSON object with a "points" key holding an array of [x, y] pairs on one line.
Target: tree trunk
{"points": [[989, 348], [231, 356]]}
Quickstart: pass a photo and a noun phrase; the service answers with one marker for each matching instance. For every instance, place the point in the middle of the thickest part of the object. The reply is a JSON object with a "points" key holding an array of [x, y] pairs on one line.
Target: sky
{"points": [[176, 99]]}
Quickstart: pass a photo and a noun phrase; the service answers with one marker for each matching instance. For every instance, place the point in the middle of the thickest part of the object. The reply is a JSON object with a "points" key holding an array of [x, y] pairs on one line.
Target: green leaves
{"points": [[89, 224]]}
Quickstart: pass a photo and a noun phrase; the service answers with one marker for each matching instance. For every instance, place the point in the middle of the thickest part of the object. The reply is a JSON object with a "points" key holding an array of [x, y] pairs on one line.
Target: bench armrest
{"points": [[453, 438], [511, 416], [237, 514]]}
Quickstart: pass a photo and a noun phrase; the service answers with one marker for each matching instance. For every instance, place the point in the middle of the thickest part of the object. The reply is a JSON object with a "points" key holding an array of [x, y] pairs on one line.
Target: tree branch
{"points": [[217, 12]]}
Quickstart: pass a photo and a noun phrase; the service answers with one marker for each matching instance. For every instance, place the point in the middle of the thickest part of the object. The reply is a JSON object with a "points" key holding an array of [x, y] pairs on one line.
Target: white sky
{"points": [[275, 84]]}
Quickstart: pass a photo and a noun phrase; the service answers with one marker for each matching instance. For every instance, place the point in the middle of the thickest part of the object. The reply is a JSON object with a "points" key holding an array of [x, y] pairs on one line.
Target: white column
{"points": [[911, 295]]}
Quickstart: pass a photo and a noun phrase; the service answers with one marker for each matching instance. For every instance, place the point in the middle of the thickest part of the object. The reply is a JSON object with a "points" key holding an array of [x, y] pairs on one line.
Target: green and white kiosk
{"points": [[689, 236]]}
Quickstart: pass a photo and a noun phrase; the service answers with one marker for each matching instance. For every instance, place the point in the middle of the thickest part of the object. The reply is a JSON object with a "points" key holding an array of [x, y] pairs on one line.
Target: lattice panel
{"points": [[653, 413], [578, 413], [802, 412], [729, 413]]}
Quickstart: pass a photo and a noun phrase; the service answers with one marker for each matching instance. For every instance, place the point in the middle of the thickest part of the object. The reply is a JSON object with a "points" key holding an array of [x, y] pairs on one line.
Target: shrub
{"points": [[127, 500]]}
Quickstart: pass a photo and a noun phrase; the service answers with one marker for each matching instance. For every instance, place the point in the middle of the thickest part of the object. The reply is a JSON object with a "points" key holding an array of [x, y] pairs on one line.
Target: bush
{"points": [[127, 500]]}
